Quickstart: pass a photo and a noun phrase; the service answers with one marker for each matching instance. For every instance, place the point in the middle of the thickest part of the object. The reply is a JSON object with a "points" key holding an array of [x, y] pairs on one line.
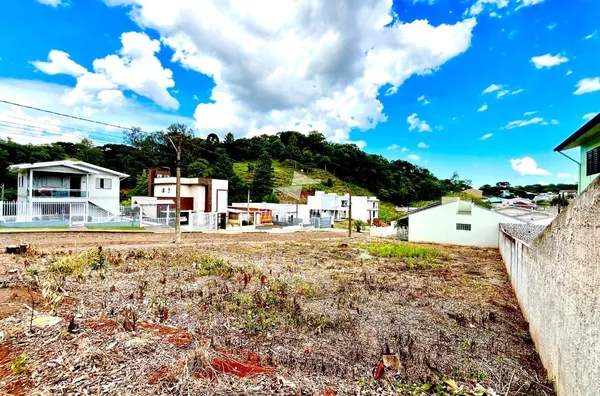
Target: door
{"points": [[75, 186]]}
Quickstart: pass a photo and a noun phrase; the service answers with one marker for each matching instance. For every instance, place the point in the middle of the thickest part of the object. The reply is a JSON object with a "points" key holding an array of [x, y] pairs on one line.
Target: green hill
{"points": [[284, 172]]}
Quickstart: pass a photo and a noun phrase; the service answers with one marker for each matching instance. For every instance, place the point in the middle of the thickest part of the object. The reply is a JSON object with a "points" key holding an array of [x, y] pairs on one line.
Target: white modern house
{"points": [[457, 222], [57, 190], [282, 212], [337, 206]]}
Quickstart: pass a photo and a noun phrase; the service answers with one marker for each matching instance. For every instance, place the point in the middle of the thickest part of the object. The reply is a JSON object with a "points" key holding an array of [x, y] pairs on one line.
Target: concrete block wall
{"points": [[557, 282]]}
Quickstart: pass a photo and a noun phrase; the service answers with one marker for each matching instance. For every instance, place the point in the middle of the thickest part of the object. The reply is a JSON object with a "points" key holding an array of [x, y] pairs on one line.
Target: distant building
{"points": [[457, 222], [526, 215], [336, 206], [198, 194], [588, 138], [281, 212], [70, 189]]}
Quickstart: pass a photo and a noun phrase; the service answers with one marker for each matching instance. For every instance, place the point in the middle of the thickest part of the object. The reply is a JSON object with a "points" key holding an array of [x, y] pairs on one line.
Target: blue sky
{"points": [[404, 78]]}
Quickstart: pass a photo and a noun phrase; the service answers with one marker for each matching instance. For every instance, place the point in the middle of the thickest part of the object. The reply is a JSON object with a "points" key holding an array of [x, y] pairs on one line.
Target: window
{"points": [[593, 161], [103, 184], [463, 227], [163, 190]]}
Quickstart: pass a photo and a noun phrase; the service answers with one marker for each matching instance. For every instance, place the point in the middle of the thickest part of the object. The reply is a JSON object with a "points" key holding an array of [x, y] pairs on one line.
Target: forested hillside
{"points": [[398, 182]]}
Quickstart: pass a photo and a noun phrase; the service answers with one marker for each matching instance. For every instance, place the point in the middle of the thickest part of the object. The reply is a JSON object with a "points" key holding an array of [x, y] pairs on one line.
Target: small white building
{"points": [[457, 222], [282, 212], [337, 206], [48, 190]]}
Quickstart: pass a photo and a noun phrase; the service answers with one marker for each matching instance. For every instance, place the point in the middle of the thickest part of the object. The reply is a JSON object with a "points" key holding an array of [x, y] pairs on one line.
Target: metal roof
{"points": [[587, 132], [77, 165]]}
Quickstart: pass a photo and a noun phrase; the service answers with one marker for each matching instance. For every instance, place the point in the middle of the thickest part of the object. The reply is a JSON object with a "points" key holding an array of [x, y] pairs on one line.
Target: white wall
{"points": [[281, 210], [108, 199], [438, 225], [219, 203]]}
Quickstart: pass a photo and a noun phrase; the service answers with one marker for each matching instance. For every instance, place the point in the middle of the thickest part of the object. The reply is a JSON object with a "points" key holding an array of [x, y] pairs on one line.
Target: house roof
{"points": [[587, 132], [76, 165]]}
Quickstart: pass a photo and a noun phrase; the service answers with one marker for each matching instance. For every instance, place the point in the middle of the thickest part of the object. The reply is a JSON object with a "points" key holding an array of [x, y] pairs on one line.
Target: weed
{"points": [[401, 250], [74, 265], [210, 266], [20, 365]]}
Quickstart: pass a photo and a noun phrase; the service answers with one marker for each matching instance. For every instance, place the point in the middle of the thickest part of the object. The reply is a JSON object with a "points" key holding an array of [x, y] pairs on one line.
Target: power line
{"points": [[65, 115], [31, 132], [40, 129], [58, 128]]}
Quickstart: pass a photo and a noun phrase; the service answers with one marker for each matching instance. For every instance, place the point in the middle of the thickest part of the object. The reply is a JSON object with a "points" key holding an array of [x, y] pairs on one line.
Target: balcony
{"points": [[49, 192]]}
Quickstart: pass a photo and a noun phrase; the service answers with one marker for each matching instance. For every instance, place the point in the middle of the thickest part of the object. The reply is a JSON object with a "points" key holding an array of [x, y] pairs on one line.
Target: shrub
{"points": [[245, 222], [401, 250]]}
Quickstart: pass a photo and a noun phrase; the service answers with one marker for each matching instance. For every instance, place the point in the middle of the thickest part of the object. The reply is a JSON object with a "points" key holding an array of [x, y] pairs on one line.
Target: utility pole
{"points": [[178, 194], [178, 190], [350, 215]]}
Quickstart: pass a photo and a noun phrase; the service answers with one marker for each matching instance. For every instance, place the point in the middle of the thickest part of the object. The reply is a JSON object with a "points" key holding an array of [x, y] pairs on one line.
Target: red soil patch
{"points": [[176, 337], [162, 374], [15, 385], [13, 298], [102, 325], [239, 367], [329, 392]]}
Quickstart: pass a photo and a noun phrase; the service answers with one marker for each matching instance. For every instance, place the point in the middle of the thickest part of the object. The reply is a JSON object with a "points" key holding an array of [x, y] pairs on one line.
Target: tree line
{"points": [[397, 181]]}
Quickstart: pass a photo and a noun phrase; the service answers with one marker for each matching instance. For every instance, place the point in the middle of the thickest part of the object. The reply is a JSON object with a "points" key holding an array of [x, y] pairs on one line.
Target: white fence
{"points": [[13, 212], [202, 221]]}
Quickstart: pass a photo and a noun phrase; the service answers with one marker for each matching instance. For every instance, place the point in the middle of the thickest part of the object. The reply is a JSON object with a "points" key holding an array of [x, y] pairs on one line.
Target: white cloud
{"points": [[528, 113], [528, 3], [533, 121], [543, 183], [563, 175], [569, 72], [517, 91], [483, 108], [492, 88], [393, 147], [423, 100], [48, 96], [423, 145], [60, 63], [482, 5], [551, 26], [591, 35], [588, 85], [413, 157], [52, 3], [589, 116], [486, 136], [415, 123], [527, 166], [404, 149], [302, 65], [502, 93], [136, 69], [554, 122], [548, 61], [196, 97]]}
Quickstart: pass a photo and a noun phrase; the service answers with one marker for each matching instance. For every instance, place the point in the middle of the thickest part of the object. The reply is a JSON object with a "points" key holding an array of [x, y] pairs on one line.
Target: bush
{"points": [[401, 250], [380, 223], [245, 222]]}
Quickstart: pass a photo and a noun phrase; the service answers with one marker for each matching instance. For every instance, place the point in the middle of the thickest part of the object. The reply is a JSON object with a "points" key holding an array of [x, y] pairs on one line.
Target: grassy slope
{"points": [[284, 175]]}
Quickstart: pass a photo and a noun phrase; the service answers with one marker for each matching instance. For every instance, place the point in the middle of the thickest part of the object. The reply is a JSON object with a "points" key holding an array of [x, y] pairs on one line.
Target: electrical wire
{"points": [[66, 115], [58, 129]]}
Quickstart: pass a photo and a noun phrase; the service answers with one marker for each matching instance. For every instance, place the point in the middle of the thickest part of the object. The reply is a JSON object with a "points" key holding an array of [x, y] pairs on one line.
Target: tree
{"points": [[264, 178], [212, 139], [199, 168], [292, 151], [89, 153], [223, 169], [141, 185], [504, 185]]}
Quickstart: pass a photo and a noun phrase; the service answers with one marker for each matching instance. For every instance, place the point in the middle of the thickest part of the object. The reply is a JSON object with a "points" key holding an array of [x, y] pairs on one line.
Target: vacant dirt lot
{"points": [[304, 313]]}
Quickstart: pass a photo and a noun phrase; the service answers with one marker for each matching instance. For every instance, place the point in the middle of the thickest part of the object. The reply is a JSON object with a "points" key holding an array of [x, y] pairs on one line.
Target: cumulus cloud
{"points": [[548, 61], [59, 62], [543, 183], [532, 121], [135, 68], [52, 3], [486, 136], [302, 65], [492, 88], [415, 123], [589, 116], [528, 113], [588, 85], [563, 175], [413, 157], [393, 147], [404, 149], [483, 108], [423, 145], [527, 166]]}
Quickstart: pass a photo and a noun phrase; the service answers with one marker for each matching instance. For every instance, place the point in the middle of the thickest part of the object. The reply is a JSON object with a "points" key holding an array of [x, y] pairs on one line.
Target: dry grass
{"points": [[284, 317]]}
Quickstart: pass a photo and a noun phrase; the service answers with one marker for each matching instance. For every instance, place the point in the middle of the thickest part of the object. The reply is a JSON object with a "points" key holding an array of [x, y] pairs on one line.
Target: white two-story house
{"points": [[75, 189], [337, 206]]}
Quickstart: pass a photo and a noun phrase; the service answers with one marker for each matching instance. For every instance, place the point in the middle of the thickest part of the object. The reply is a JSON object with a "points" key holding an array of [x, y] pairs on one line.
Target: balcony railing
{"points": [[48, 192]]}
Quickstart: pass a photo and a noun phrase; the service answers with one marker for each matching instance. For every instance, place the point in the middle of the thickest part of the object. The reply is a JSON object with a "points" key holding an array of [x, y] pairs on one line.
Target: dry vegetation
{"points": [[284, 316]]}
